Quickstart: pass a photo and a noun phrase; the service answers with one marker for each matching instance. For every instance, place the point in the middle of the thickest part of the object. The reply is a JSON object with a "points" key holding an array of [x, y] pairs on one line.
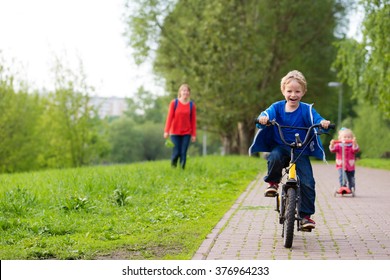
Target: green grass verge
{"points": [[138, 211], [374, 163]]}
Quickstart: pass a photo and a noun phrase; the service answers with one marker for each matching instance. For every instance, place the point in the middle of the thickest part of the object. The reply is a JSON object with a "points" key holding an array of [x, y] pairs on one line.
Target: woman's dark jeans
{"points": [[181, 143]]}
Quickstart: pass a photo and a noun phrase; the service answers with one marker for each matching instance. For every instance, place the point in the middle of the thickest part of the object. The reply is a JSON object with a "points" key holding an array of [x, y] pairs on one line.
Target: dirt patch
{"points": [[150, 253]]}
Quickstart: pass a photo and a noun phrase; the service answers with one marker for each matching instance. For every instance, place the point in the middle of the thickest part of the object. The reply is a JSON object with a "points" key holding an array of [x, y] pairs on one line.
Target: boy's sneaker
{"points": [[308, 223], [272, 190]]}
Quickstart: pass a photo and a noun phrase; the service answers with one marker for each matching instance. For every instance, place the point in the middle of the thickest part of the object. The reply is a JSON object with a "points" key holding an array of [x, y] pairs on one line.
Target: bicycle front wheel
{"points": [[289, 219]]}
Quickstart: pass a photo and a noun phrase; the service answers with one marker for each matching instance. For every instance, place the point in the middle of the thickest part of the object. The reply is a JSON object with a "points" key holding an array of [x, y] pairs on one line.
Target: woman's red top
{"points": [[181, 121]]}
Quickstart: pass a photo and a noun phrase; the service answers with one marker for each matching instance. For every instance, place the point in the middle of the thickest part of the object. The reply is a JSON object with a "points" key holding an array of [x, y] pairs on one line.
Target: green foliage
{"points": [[169, 143], [152, 141], [372, 130], [139, 211], [18, 121], [365, 65], [234, 53], [70, 123], [48, 130], [136, 142], [125, 141], [141, 17], [145, 106]]}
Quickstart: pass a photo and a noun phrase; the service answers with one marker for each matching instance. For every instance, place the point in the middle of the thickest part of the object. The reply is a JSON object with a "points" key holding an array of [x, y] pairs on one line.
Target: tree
{"points": [[365, 65], [126, 142], [133, 142], [70, 127], [145, 106], [18, 121], [152, 141], [234, 53], [372, 131]]}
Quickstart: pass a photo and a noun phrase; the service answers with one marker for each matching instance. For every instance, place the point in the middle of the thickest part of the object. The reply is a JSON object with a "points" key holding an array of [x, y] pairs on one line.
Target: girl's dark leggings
{"points": [[348, 176]]}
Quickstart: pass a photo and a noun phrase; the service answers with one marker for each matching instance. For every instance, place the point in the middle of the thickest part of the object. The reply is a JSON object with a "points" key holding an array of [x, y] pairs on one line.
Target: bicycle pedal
{"points": [[306, 229]]}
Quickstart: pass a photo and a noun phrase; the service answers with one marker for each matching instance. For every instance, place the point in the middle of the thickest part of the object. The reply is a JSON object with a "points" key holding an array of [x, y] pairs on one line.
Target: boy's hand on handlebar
{"points": [[263, 120], [325, 124]]}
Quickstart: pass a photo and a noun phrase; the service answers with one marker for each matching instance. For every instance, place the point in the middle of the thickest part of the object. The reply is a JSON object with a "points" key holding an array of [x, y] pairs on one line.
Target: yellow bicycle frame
{"points": [[292, 174]]}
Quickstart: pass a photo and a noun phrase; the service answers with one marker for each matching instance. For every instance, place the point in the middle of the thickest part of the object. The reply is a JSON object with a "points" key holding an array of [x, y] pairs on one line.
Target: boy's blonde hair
{"points": [[183, 85], [294, 75]]}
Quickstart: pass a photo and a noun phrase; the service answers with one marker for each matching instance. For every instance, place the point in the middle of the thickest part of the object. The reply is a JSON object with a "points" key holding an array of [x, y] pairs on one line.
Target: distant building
{"points": [[109, 106]]}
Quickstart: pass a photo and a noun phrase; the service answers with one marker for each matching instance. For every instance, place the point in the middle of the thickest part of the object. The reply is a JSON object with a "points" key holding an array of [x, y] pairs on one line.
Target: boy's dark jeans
{"points": [[181, 143], [278, 159]]}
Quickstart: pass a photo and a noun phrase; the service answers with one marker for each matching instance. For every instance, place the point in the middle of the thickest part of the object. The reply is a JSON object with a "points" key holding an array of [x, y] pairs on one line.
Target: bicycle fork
{"points": [[292, 182], [281, 198]]}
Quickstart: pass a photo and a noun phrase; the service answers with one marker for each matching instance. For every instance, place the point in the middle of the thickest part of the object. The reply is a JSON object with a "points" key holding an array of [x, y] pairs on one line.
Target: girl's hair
{"points": [[182, 86], [345, 130], [294, 75]]}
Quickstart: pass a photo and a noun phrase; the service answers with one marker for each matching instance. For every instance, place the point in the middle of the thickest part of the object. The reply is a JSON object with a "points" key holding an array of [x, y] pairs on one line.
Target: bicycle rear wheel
{"points": [[289, 219]]}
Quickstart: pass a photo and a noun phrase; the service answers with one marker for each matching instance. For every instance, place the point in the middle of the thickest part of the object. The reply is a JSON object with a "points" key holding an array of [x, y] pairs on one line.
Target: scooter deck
{"points": [[345, 191]]}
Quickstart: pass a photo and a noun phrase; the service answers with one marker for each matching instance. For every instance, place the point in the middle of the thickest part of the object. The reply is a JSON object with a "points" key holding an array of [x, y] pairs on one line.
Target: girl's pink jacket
{"points": [[349, 155]]}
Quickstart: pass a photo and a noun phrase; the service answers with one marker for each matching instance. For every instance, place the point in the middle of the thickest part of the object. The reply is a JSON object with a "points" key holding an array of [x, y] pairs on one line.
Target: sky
{"points": [[34, 32]]}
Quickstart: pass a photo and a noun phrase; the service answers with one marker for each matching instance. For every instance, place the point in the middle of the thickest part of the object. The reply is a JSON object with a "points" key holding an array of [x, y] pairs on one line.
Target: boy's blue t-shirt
{"points": [[304, 116], [290, 119]]}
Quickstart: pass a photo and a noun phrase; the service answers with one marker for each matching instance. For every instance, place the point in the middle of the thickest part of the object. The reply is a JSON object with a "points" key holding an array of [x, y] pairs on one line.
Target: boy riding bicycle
{"points": [[290, 112]]}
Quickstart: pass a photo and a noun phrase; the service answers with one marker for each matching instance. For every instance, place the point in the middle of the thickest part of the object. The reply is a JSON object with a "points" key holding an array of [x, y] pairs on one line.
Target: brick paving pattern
{"points": [[347, 228]]}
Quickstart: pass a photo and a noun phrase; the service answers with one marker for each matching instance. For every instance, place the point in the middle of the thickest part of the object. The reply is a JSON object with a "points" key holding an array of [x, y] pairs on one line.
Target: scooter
{"points": [[344, 190]]}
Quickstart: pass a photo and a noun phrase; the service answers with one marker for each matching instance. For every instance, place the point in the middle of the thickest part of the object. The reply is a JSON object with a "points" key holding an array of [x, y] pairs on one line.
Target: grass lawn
{"points": [[374, 163], [138, 211]]}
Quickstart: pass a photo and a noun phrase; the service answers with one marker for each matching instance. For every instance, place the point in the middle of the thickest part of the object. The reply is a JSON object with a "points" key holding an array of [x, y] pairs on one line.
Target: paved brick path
{"points": [[348, 228]]}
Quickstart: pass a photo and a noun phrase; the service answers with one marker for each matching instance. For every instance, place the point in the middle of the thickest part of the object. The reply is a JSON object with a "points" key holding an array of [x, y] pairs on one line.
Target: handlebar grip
{"points": [[298, 140], [256, 121], [332, 126]]}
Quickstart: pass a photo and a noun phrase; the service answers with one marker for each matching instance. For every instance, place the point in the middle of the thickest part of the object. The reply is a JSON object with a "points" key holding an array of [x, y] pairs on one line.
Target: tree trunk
{"points": [[246, 133], [225, 145], [230, 143], [242, 138]]}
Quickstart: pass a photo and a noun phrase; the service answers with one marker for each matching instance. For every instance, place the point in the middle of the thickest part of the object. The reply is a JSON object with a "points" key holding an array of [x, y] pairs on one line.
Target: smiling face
{"points": [[184, 93], [293, 92]]}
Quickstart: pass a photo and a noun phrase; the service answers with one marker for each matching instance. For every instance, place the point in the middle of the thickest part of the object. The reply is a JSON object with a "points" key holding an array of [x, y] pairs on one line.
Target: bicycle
{"points": [[288, 203]]}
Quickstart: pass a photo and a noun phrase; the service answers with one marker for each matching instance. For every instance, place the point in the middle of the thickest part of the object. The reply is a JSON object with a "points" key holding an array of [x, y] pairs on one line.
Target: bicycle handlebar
{"points": [[298, 142]]}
